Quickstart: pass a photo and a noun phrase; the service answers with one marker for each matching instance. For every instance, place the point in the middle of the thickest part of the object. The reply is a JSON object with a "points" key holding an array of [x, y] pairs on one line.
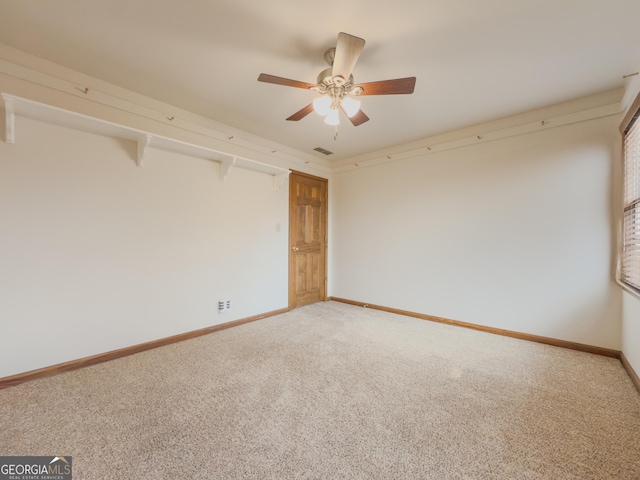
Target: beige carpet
{"points": [[336, 391]]}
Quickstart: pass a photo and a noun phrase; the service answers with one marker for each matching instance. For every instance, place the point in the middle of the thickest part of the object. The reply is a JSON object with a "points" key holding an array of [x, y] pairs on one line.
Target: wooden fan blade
{"points": [[300, 114], [348, 50], [389, 87], [358, 119], [284, 81]]}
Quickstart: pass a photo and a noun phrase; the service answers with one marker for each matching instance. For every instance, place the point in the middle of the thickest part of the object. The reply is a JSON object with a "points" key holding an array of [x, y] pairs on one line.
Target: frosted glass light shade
{"points": [[332, 117], [321, 105], [350, 106]]}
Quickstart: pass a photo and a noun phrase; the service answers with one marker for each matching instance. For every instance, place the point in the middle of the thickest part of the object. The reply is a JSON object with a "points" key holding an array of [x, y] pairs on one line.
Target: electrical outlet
{"points": [[224, 306]]}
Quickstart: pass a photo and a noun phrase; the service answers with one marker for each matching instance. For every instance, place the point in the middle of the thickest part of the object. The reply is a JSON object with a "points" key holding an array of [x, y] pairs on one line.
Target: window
{"points": [[630, 253]]}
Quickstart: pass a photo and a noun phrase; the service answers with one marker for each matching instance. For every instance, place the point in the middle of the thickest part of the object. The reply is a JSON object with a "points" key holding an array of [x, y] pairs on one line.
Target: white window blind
{"points": [[630, 259]]}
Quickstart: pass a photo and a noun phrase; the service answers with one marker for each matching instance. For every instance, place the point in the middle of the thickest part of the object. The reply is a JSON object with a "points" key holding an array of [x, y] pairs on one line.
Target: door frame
{"points": [[325, 218]]}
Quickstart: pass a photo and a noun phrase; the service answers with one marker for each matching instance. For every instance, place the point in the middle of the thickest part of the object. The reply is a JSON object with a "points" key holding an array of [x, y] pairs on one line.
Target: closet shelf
{"points": [[14, 105]]}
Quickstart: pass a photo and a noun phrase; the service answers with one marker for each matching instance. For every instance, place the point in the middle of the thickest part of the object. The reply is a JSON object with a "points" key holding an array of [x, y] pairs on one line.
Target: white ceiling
{"points": [[474, 60]]}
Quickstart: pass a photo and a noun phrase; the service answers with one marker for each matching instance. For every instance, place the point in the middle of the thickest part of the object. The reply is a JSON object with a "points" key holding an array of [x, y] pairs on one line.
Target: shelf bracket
{"points": [[278, 180], [10, 120], [143, 143], [225, 165]]}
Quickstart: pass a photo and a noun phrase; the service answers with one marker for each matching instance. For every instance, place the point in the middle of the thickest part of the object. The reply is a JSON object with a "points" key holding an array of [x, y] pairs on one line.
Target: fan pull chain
{"points": [[335, 134]]}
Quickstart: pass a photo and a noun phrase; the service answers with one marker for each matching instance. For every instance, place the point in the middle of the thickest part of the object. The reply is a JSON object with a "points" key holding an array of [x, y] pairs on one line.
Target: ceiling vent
{"points": [[324, 151]]}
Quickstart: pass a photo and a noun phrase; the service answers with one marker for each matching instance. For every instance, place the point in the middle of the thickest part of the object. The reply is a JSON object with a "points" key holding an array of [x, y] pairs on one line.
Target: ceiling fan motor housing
{"points": [[327, 83]]}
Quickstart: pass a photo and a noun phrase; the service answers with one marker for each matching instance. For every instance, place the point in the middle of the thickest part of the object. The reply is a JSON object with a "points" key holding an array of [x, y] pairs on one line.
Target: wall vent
{"points": [[324, 151]]}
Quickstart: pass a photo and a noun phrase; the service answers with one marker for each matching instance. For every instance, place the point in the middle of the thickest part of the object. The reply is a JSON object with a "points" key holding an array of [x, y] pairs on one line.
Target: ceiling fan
{"points": [[337, 88]]}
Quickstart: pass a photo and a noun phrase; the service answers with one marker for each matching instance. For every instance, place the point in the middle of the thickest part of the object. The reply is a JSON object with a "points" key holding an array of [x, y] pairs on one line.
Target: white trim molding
{"points": [[580, 110]]}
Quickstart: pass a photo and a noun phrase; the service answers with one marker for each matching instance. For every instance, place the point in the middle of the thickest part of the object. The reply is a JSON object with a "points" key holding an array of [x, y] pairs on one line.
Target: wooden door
{"points": [[307, 239]]}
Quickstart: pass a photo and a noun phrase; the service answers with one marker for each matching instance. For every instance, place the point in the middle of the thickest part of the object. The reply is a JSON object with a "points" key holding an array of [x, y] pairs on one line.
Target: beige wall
{"points": [[98, 254], [514, 234]]}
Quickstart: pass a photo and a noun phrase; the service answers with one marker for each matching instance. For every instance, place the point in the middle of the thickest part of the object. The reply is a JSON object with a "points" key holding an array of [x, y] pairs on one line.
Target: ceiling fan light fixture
{"points": [[333, 117], [351, 106], [321, 105]]}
